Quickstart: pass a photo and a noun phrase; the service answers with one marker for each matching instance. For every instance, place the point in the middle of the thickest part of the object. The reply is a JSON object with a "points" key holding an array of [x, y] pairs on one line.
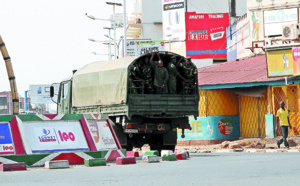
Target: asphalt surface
{"points": [[200, 169]]}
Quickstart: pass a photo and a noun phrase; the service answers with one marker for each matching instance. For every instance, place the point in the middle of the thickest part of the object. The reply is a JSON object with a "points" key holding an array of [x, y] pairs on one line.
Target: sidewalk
{"points": [[242, 145], [264, 144]]}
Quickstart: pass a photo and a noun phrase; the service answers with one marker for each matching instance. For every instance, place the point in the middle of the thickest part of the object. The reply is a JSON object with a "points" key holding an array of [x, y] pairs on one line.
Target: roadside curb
{"points": [[256, 150], [247, 151]]}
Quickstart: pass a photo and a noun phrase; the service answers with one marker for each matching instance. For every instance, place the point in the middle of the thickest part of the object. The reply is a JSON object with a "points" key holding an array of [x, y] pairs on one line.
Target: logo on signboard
{"points": [[198, 35], [47, 137], [6, 148], [174, 6], [225, 126], [217, 35], [280, 15]]}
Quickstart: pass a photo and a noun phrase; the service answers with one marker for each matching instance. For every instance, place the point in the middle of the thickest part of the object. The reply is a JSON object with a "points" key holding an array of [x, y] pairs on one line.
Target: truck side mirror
{"points": [[51, 91]]}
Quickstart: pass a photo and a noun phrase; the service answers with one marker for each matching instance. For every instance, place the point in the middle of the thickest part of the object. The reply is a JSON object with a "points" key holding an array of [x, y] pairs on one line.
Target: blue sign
{"points": [[5, 136], [212, 128]]}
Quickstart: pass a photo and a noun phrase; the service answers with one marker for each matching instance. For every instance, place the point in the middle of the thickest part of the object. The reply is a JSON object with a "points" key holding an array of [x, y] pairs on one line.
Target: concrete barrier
{"points": [[150, 159], [132, 154], [166, 152], [95, 162], [74, 158], [125, 160], [181, 156], [184, 151], [151, 152], [169, 157], [13, 166], [60, 164]]}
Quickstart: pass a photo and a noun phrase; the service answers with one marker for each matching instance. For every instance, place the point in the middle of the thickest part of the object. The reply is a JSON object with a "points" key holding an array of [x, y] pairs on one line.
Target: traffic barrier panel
{"points": [[132, 154], [179, 151], [95, 162], [152, 152], [169, 157], [37, 160], [60, 164], [125, 160], [13, 166], [150, 159], [166, 152]]}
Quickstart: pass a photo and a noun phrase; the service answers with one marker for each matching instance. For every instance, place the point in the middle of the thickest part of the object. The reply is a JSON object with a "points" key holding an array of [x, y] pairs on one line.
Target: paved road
{"points": [[201, 169]]}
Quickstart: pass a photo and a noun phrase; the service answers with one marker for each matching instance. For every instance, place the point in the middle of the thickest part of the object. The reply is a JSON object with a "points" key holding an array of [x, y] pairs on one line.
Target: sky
{"points": [[46, 39]]}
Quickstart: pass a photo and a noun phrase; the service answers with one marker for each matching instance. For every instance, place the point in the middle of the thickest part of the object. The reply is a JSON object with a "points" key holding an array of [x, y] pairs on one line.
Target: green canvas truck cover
{"points": [[101, 83]]}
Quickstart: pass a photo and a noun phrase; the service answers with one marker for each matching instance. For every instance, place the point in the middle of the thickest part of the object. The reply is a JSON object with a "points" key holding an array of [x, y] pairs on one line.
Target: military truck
{"points": [[105, 88]]}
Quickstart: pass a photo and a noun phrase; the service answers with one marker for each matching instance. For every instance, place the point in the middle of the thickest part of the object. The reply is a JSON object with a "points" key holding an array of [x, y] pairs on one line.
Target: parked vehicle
{"points": [[138, 118]]}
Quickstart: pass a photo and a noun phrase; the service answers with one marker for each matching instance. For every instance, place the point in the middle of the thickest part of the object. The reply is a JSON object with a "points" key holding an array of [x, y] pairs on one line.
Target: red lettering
{"points": [[8, 148], [71, 136], [64, 136], [61, 138]]}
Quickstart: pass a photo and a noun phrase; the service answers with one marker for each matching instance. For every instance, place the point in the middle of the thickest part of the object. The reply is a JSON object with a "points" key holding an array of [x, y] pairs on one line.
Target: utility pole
{"points": [[125, 30], [109, 45], [114, 24]]}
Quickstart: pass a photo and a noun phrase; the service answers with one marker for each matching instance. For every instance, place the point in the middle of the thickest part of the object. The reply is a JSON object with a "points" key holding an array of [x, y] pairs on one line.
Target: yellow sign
{"points": [[280, 63]]}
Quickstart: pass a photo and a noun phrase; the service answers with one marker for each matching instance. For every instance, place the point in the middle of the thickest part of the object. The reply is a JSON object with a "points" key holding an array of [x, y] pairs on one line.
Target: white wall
{"points": [[215, 6], [202, 62], [152, 13], [152, 31]]}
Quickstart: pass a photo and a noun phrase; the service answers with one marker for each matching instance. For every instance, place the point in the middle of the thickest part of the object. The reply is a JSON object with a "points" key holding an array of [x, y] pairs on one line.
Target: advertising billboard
{"points": [[40, 94], [274, 19], [206, 35], [102, 135], [174, 20], [296, 61], [6, 144], [54, 136], [141, 47], [280, 63]]}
